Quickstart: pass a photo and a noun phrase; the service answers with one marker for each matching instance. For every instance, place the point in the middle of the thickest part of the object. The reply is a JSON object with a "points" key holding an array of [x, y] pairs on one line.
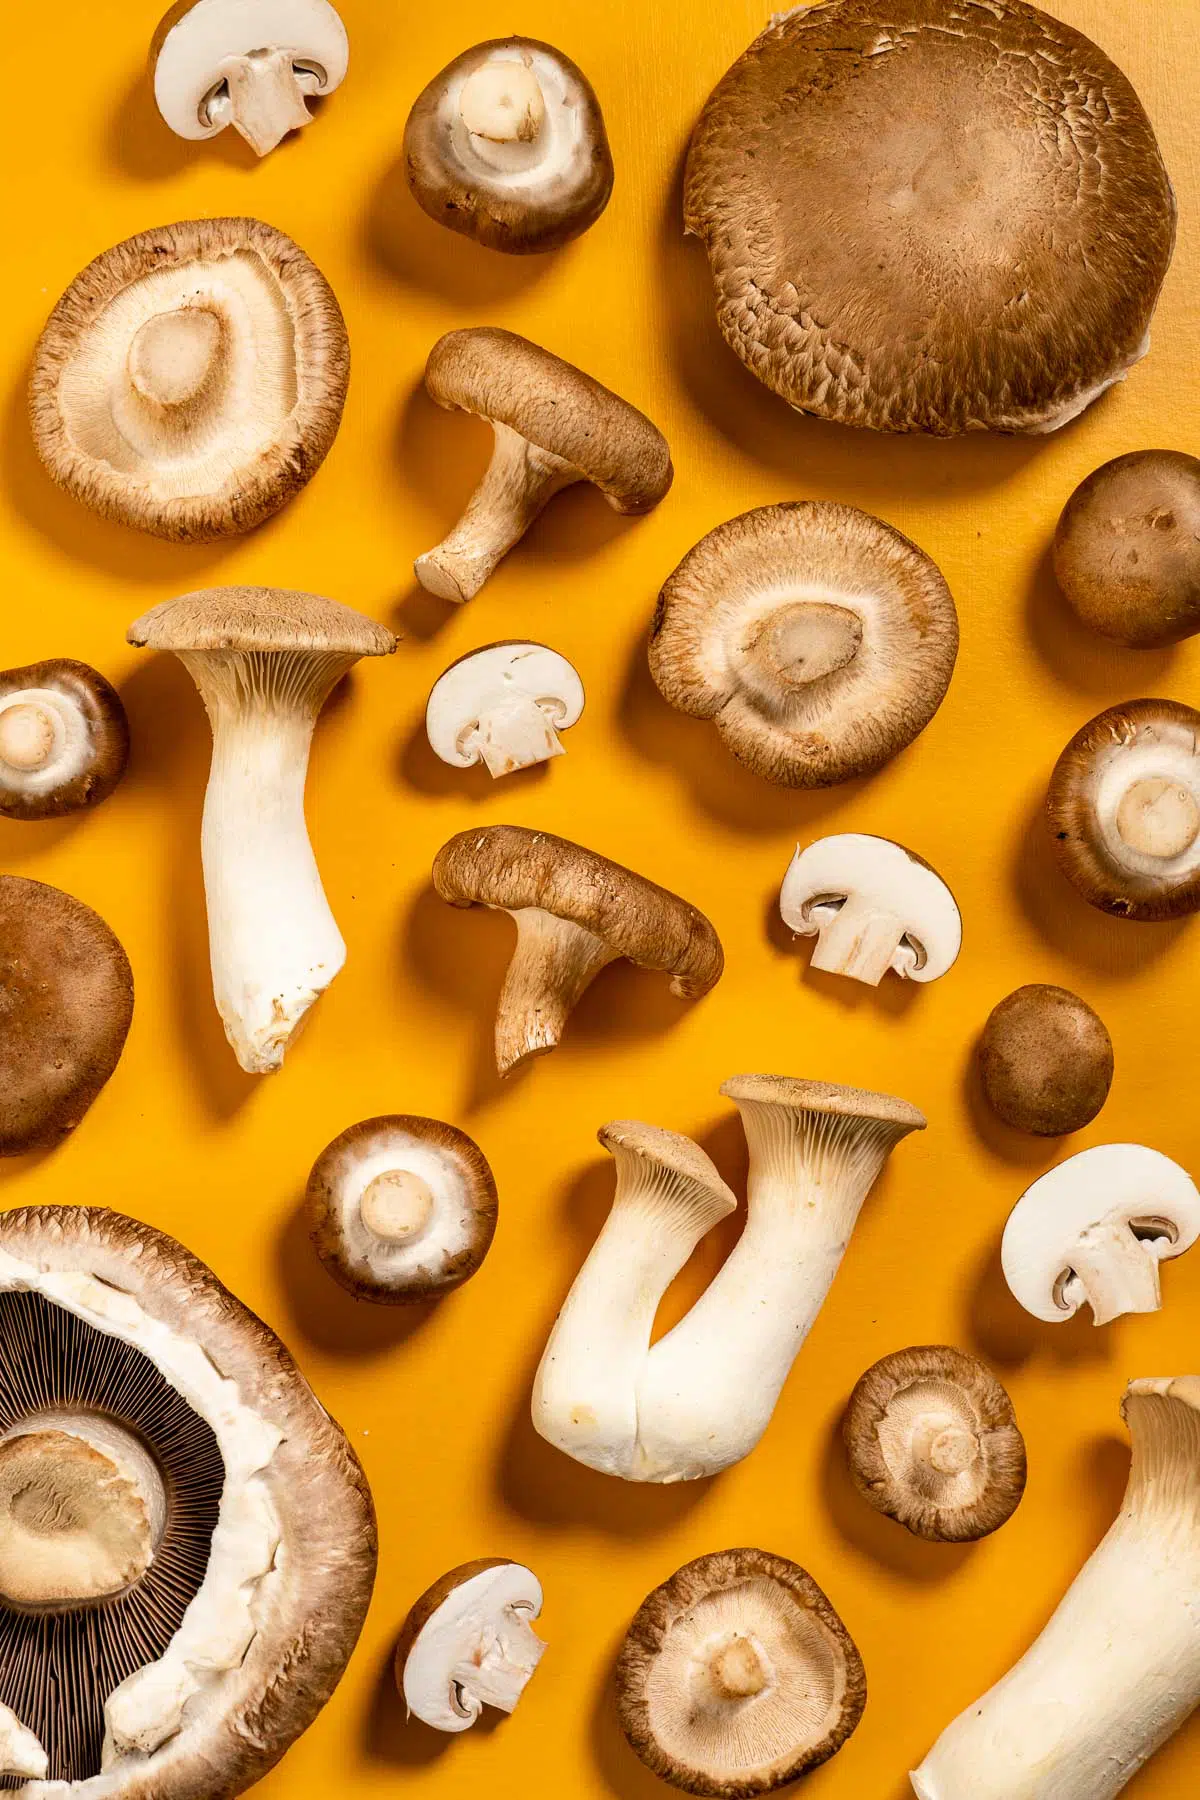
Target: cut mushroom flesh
{"points": [[469, 1643], [873, 907], [505, 706]]}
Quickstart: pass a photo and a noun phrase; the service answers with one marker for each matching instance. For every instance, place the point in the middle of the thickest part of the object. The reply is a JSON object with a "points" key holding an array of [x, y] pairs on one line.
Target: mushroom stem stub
{"points": [[173, 355], [264, 97], [519, 482], [502, 103], [554, 962], [859, 941], [29, 736]]}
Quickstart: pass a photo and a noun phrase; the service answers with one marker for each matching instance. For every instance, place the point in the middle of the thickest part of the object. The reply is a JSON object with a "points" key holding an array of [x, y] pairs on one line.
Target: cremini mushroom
{"points": [[503, 706], [1094, 1231], [1045, 1061], [64, 739], [700, 1398], [1127, 549], [401, 1208], [872, 906], [575, 913], [932, 1441], [1117, 1670], [187, 1542], [469, 1643], [818, 639], [553, 426], [66, 1002], [1123, 810], [252, 64], [265, 661], [507, 145], [896, 225], [737, 1676], [191, 380]]}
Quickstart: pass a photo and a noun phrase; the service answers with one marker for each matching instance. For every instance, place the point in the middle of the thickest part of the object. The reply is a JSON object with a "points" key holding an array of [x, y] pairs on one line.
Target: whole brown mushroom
{"points": [[1127, 549], [64, 739], [1045, 1060]]}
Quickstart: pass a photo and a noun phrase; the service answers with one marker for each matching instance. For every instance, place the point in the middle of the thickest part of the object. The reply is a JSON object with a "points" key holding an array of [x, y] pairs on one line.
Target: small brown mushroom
{"points": [[932, 1441], [64, 739], [575, 913], [554, 426], [1046, 1061], [1127, 549]]}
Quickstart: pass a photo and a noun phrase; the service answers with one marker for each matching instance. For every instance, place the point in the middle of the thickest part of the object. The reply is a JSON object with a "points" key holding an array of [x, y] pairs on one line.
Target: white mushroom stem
{"points": [[502, 102], [862, 940], [552, 965], [1117, 1669], [20, 1752], [397, 1206], [30, 733], [265, 97], [1113, 1271], [1158, 818], [514, 732], [520, 481]]}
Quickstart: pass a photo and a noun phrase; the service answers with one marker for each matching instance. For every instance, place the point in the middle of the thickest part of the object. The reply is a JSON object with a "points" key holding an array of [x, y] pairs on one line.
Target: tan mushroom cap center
{"points": [[738, 1669], [173, 356], [948, 1447], [803, 642], [502, 102], [929, 1437], [1158, 817], [29, 735], [397, 1206]]}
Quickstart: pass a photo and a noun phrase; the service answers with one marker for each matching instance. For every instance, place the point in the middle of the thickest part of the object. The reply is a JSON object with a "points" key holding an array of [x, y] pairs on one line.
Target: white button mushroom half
{"points": [[872, 906], [503, 706], [473, 1645]]}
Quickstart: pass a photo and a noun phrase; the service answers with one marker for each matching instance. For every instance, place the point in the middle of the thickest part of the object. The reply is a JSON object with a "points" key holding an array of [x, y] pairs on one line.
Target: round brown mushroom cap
{"points": [[737, 1676], [1127, 549], [259, 618], [932, 1441], [66, 1003], [511, 867], [1045, 1060], [502, 377], [1123, 810], [191, 379], [75, 744], [931, 215], [818, 639]]}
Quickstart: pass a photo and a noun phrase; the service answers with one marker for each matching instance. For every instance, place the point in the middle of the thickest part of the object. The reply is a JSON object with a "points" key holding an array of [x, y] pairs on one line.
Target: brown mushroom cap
{"points": [[1127, 549], [932, 1441], [1046, 1060], [64, 739], [191, 380], [737, 1676], [922, 217], [819, 640], [66, 1002], [255, 618]]}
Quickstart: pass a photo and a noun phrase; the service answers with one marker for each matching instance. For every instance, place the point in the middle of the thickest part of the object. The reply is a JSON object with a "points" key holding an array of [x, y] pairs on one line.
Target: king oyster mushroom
{"points": [[1127, 549], [872, 906], [187, 1542], [1045, 1060], [468, 1643], [64, 739], [191, 380], [503, 706]]}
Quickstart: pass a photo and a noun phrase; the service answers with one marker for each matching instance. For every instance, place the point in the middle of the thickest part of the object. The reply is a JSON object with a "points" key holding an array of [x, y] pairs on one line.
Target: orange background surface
{"points": [[436, 1400]]}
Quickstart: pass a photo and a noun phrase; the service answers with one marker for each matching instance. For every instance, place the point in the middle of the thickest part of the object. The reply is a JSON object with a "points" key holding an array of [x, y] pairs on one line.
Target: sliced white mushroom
{"points": [[504, 706], [468, 1643], [1095, 1230], [872, 906]]}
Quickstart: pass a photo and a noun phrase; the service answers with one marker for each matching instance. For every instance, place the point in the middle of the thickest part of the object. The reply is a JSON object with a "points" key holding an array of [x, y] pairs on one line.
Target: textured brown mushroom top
{"points": [[1127, 549], [1045, 1060], [824, 1097], [505, 378], [931, 215], [64, 739], [249, 618]]}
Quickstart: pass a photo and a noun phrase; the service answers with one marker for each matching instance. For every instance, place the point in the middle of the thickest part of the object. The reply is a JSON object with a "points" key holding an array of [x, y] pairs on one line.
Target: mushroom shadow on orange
{"points": [[409, 247], [890, 1000], [1019, 1149], [324, 1313], [1093, 666], [1002, 1331], [419, 767], [139, 145], [389, 1737]]}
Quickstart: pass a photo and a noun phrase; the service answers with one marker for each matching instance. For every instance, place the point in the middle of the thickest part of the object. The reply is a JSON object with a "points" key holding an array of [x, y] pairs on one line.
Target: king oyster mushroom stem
{"points": [[1117, 1670]]}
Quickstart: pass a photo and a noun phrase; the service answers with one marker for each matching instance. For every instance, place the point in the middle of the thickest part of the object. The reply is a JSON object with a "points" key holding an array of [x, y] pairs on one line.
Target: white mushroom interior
{"points": [[503, 705], [515, 122], [477, 1649], [1147, 804], [405, 1207], [45, 740], [873, 907]]}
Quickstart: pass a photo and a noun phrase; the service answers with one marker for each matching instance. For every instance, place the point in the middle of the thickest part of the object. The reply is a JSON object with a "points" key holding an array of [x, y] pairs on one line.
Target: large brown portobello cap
{"points": [[1045, 1060], [931, 215], [64, 739], [1127, 549]]}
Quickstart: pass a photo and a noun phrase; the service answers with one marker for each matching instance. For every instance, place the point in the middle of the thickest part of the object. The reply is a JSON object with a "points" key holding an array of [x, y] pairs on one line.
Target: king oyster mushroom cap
{"points": [[259, 1523], [1123, 809], [1045, 1060], [1117, 1670], [468, 1643], [191, 380], [1095, 1230], [818, 639], [503, 706], [575, 912], [1127, 549], [895, 227], [507, 145], [737, 1676], [64, 739], [872, 906], [252, 64], [401, 1208], [553, 426], [932, 1441], [265, 661]]}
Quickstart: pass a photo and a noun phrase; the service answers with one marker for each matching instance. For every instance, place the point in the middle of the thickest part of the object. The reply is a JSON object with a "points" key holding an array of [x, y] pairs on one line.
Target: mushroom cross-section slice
{"points": [[553, 426], [64, 739], [932, 1441], [503, 706], [1045, 1061], [191, 380], [468, 1643], [872, 906], [818, 639], [898, 229], [401, 1208], [265, 661], [252, 64], [1127, 549], [1123, 810], [575, 913], [1095, 1230], [737, 1676], [507, 145]]}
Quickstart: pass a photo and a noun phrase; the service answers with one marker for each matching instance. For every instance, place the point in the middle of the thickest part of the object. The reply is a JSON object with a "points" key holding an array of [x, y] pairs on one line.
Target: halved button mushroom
{"points": [[507, 145], [1045, 1060], [553, 426], [872, 906], [504, 706], [1095, 1230], [191, 380], [818, 639], [1127, 549], [64, 739], [468, 1643], [737, 1676]]}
